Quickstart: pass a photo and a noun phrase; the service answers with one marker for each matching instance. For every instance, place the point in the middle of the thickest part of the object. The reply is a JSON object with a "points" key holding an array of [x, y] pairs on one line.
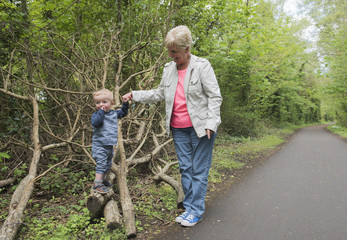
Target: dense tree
{"points": [[330, 18], [70, 50]]}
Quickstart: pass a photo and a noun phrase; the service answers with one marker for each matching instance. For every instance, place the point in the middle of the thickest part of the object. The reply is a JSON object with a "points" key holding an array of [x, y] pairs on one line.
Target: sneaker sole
{"points": [[179, 220], [99, 192], [188, 224]]}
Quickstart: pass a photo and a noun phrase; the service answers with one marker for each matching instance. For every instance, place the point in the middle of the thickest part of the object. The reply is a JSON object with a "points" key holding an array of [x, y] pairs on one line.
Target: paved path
{"points": [[299, 193]]}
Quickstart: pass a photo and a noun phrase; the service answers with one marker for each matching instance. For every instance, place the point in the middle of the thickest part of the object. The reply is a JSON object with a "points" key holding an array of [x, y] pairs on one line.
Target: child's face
{"points": [[104, 102]]}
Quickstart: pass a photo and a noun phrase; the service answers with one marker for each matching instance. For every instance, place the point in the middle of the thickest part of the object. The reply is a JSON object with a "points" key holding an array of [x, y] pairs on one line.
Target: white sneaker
{"points": [[190, 220], [182, 217]]}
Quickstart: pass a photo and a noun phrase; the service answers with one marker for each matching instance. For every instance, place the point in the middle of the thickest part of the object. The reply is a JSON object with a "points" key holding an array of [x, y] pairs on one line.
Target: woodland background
{"points": [[54, 54]]}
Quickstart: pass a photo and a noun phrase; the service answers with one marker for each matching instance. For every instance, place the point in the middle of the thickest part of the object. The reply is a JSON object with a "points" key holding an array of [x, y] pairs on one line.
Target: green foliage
{"points": [[77, 226], [332, 43], [240, 121], [168, 196], [261, 66], [342, 131], [4, 203], [60, 218], [148, 204], [13, 23], [4, 155], [65, 180], [21, 171], [13, 122]]}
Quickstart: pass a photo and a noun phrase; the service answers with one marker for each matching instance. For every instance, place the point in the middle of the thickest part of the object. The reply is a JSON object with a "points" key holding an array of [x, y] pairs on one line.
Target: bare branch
{"points": [[14, 95], [49, 169], [148, 157], [54, 145], [6, 182]]}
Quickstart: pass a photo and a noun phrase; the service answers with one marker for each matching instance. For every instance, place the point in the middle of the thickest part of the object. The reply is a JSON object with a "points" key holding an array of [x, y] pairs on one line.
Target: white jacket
{"points": [[203, 97]]}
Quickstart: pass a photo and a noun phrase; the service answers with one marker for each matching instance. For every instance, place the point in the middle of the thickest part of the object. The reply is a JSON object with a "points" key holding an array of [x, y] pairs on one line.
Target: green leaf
{"points": [[4, 155]]}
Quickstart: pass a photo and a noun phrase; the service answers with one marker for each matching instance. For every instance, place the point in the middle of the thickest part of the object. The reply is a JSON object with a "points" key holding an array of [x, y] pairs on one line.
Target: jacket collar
{"points": [[192, 62]]}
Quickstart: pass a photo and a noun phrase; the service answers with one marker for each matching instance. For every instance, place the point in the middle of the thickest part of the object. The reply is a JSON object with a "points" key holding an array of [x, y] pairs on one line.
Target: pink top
{"points": [[180, 117]]}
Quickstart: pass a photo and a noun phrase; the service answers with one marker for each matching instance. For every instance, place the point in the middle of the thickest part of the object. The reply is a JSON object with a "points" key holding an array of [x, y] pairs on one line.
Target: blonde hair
{"points": [[103, 91], [179, 36]]}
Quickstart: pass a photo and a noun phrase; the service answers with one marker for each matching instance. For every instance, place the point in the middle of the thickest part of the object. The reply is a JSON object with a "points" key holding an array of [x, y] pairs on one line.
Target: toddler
{"points": [[105, 132]]}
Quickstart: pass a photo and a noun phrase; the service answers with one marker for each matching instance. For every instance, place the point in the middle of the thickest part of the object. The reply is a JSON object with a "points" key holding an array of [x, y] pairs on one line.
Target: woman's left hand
{"points": [[127, 97], [209, 133]]}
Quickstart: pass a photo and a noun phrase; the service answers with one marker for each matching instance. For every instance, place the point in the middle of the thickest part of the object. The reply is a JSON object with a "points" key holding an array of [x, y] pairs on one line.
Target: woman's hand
{"points": [[209, 133], [127, 97]]}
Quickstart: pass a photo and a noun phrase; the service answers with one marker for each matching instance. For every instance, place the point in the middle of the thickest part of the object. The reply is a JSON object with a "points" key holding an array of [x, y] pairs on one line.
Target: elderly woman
{"points": [[190, 90]]}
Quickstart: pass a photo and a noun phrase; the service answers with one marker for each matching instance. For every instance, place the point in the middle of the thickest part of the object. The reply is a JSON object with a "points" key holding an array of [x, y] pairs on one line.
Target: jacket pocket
{"points": [[195, 87], [194, 80], [203, 115], [167, 84]]}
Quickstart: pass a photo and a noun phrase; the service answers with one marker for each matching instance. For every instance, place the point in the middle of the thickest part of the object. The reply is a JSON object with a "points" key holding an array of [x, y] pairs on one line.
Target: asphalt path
{"points": [[299, 193]]}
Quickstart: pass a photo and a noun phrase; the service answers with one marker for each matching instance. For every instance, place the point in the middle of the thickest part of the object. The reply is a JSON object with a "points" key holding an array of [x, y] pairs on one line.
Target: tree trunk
{"points": [[23, 192], [125, 199]]}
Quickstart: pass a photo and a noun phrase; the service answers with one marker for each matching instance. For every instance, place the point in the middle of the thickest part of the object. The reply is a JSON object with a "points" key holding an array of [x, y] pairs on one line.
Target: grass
{"points": [[232, 154], [342, 131]]}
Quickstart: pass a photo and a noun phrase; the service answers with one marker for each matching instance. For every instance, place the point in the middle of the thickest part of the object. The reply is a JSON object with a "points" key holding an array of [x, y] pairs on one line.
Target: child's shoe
{"points": [[101, 188], [107, 183]]}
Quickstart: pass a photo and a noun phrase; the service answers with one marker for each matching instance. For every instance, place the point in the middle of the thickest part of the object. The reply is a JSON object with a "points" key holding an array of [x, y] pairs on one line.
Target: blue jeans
{"points": [[102, 154], [194, 156]]}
